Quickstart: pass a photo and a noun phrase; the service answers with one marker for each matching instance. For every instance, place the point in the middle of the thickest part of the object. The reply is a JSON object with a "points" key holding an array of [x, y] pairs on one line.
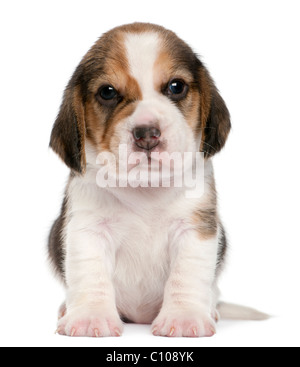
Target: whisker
{"points": [[206, 152], [204, 142]]}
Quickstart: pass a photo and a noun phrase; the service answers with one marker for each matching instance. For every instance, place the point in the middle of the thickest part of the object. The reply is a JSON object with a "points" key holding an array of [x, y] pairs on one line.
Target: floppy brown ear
{"points": [[68, 134], [214, 115]]}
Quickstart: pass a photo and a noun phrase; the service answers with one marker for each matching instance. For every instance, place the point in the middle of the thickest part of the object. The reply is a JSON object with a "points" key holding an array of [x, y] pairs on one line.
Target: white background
{"points": [[252, 50]]}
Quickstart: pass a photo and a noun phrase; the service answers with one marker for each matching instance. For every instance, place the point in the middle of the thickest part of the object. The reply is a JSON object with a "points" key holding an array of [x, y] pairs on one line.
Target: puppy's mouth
{"points": [[148, 150]]}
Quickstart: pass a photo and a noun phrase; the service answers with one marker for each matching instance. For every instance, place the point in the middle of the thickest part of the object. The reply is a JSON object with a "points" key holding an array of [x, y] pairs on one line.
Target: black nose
{"points": [[146, 137]]}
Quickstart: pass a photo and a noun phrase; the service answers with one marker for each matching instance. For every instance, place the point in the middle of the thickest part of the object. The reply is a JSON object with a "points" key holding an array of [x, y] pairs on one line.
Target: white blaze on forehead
{"points": [[142, 52]]}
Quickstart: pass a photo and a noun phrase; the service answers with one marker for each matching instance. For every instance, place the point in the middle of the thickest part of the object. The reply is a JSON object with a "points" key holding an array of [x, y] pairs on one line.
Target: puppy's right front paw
{"points": [[90, 323]]}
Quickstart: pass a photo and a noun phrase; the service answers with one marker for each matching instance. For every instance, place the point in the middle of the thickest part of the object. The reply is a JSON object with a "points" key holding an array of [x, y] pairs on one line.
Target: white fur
{"points": [[154, 108], [142, 51], [134, 251]]}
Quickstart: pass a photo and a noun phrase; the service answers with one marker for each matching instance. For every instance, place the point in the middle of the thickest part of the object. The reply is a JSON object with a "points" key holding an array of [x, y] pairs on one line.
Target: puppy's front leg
{"points": [[91, 307], [188, 301]]}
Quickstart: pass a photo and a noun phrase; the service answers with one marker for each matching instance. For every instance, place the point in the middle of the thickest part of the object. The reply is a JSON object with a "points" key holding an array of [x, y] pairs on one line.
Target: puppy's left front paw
{"points": [[183, 324]]}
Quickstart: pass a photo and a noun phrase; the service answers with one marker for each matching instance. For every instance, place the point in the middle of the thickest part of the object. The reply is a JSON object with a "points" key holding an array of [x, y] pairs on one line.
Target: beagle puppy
{"points": [[139, 253]]}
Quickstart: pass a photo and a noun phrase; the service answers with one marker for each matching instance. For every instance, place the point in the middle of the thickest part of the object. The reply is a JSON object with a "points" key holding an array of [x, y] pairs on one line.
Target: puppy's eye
{"points": [[108, 95], [177, 89]]}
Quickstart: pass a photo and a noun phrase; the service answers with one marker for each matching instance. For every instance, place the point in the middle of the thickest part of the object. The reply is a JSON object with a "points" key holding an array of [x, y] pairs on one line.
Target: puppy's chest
{"points": [[137, 234], [142, 249], [142, 265]]}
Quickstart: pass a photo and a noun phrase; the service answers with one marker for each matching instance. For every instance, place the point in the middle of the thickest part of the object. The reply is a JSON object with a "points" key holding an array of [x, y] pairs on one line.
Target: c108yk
{"points": [[172, 357]]}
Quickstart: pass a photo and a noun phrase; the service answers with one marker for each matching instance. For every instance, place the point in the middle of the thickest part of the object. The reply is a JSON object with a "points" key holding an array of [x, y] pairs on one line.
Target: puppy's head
{"points": [[142, 86]]}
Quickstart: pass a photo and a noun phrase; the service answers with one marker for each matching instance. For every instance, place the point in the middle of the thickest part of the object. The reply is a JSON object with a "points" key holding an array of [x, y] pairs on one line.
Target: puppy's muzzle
{"points": [[146, 137]]}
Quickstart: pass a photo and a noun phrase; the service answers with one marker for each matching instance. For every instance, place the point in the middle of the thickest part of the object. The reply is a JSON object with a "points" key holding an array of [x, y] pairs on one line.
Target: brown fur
{"points": [[68, 134], [206, 217], [83, 117], [215, 117], [55, 244], [101, 121]]}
